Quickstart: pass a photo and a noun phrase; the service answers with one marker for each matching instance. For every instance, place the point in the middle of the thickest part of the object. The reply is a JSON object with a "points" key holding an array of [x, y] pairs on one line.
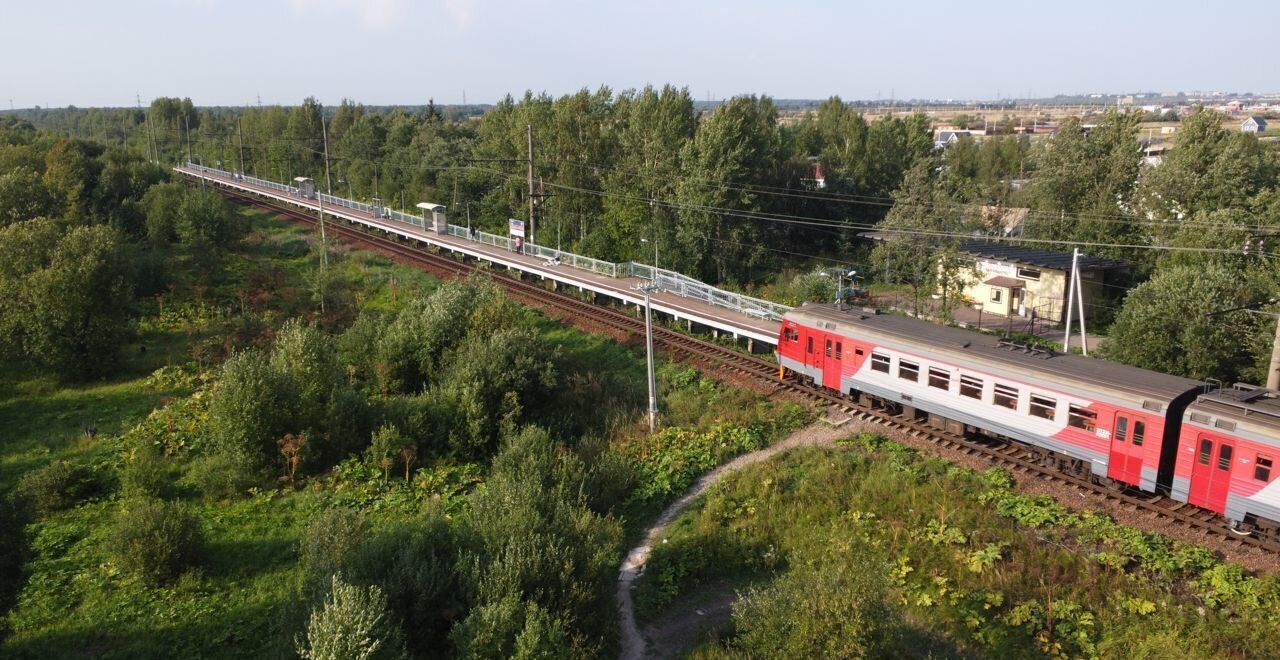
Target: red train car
{"points": [[1227, 454], [1088, 416]]}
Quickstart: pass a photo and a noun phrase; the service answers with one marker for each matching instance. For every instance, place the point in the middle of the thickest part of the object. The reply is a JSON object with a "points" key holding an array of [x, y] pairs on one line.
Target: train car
{"points": [[1229, 444], [1086, 416]]}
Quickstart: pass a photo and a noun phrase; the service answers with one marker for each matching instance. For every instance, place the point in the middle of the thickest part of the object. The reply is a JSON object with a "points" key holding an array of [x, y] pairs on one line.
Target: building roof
{"points": [[1017, 254], [1258, 119], [1032, 257], [1006, 282]]}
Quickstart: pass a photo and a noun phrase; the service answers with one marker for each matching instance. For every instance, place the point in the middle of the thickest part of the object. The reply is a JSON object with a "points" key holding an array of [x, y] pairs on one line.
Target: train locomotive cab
{"points": [[1229, 443]]}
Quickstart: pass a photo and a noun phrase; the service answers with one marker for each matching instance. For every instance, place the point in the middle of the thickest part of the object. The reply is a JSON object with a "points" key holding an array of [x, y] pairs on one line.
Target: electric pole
{"points": [[648, 288], [1273, 371], [1075, 299], [240, 137], [186, 122], [529, 128], [324, 132]]}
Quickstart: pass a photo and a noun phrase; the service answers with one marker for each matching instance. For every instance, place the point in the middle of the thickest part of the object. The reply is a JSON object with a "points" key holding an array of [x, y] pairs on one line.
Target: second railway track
{"points": [[696, 350]]}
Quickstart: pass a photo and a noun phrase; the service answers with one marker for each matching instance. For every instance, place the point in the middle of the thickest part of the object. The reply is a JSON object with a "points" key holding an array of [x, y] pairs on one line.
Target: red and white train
{"points": [[1090, 417]]}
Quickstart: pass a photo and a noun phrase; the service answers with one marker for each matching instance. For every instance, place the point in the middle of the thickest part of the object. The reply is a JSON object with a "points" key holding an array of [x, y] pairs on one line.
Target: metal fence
{"points": [[667, 280]]}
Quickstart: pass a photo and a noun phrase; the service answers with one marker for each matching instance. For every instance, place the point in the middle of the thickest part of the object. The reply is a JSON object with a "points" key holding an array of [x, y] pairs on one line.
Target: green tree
{"points": [[654, 126], [736, 147], [71, 170], [23, 196], [1163, 324], [204, 222], [1084, 179], [918, 250], [67, 295], [162, 204], [1210, 168]]}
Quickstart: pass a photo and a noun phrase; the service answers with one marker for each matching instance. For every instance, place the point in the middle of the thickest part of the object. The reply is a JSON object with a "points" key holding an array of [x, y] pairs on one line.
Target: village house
{"points": [[1254, 124], [1012, 280]]}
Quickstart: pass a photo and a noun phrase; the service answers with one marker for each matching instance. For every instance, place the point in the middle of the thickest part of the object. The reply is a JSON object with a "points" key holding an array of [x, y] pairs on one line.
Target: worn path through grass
{"points": [[632, 644]]}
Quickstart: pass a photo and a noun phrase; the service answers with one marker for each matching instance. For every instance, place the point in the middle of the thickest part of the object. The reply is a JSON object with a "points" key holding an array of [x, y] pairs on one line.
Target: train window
{"points": [[858, 352], [1206, 450], [908, 371], [811, 344], [880, 363], [939, 378], [792, 334], [1262, 468], [971, 387], [839, 350], [1006, 396], [828, 348], [1081, 418], [1224, 457], [1122, 428], [1043, 407], [1139, 432]]}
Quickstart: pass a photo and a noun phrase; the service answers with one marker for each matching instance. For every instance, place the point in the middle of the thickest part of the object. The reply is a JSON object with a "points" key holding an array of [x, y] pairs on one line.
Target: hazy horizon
{"points": [[398, 52]]}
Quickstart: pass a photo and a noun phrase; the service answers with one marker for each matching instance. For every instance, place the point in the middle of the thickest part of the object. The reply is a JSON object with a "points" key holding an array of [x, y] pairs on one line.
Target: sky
{"points": [[55, 53]]}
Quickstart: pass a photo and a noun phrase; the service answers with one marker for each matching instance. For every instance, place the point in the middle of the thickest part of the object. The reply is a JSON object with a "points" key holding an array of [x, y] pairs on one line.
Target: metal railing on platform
{"points": [[667, 280]]}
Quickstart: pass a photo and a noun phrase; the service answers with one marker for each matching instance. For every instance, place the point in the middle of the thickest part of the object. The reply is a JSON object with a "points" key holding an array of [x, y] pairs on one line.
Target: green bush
{"points": [[146, 473], [353, 624], [156, 540], [224, 476], [58, 486], [512, 629], [846, 612], [328, 546]]}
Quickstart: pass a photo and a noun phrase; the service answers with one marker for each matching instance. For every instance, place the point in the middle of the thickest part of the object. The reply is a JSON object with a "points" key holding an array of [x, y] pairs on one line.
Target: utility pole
{"points": [[186, 122], [529, 129], [649, 288], [324, 132], [1084, 337], [1273, 371], [1071, 294], [240, 137]]}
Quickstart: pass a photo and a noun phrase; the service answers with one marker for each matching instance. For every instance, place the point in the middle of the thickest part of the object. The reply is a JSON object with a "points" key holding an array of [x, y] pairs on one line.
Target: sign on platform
{"points": [[517, 227]]}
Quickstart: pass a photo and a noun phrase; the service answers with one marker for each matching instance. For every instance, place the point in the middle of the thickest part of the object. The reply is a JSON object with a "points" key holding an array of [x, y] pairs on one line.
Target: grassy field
{"points": [[967, 564]]}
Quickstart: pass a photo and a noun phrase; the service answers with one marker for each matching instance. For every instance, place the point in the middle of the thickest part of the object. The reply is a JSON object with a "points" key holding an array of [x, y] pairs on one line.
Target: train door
{"points": [[1211, 473], [834, 357], [813, 350], [1128, 441]]}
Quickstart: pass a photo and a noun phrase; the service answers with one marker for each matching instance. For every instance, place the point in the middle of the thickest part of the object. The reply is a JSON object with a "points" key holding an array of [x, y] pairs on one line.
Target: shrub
{"points": [[57, 487], [224, 476], [329, 545], [512, 629], [835, 608], [353, 624], [14, 517], [156, 540], [146, 473]]}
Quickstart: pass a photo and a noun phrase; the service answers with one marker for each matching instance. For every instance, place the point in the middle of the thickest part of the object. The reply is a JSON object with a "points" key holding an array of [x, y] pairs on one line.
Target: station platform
{"points": [[755, 323]]}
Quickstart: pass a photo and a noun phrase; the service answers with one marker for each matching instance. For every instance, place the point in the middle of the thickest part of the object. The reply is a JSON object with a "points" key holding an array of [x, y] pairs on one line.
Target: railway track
{"points": [[1016, 459]]}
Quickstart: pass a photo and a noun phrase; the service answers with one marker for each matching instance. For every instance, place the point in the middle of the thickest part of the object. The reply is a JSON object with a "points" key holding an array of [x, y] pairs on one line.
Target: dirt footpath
{"points": [[632, 644]]}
